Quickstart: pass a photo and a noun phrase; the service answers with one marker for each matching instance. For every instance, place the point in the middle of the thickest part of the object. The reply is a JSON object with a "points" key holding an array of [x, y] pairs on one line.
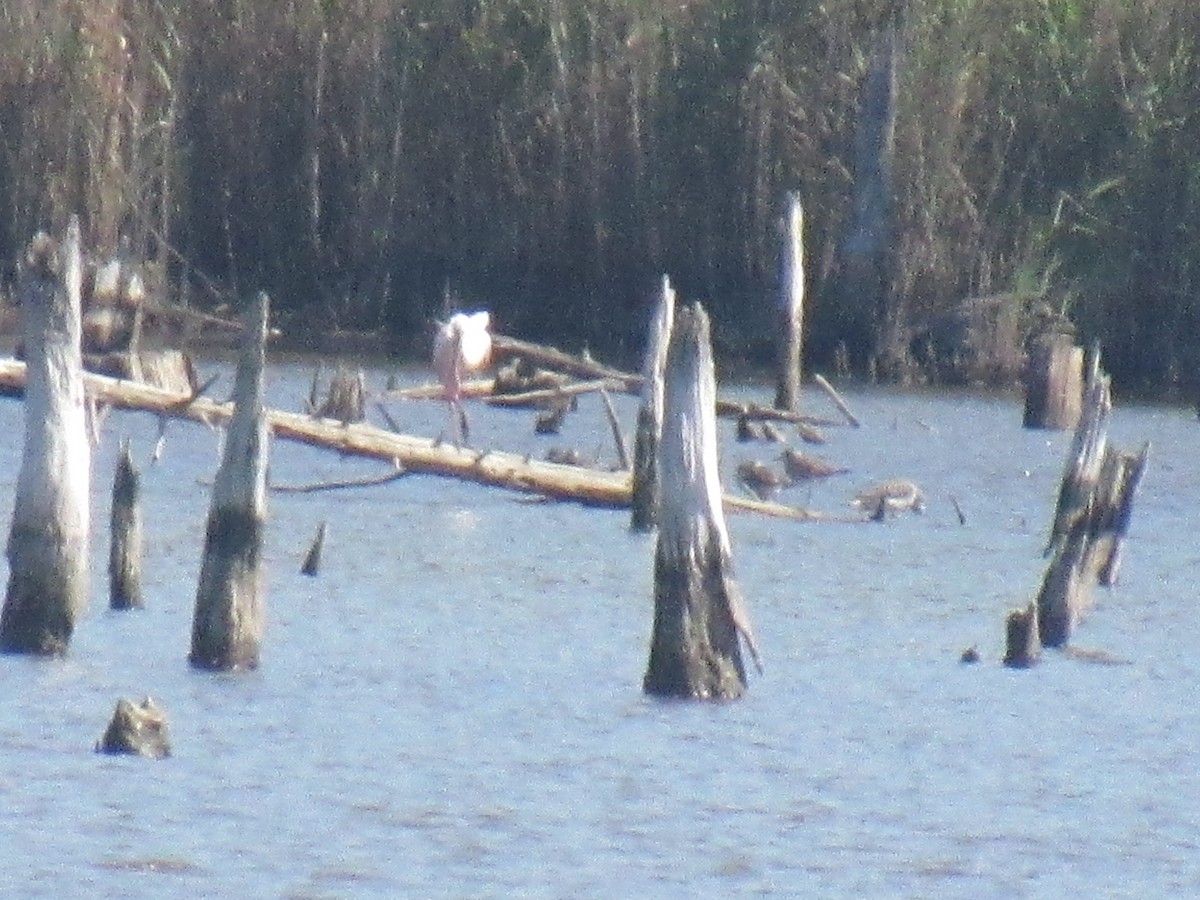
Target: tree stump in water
{"points": [[228, 624], [1022, 646], [49, 538], [698, 609], [644, 488], [138, 730], [1053, 381], [125, 540], [791, 304]]}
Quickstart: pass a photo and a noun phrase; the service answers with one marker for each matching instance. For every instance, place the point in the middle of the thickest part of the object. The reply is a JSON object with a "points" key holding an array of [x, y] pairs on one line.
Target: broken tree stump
{"points": [[125, 538], [1053, 381], [312, 560], [228, 625], [791, 303], [1022, 648], [137, 730], [644, 486], [699, 615], [49, 537]]}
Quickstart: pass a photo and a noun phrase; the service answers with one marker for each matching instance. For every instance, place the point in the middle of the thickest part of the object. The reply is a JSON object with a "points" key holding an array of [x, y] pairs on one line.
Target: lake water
{"points": [[453, 708]]}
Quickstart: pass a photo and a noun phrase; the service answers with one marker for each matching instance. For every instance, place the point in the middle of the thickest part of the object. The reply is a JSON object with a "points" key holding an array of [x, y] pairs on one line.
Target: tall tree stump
{"points": [[791, 303], [698, 609], [1053, 381], [125, 538], [49, 538], [228, 625], [644, 499]]}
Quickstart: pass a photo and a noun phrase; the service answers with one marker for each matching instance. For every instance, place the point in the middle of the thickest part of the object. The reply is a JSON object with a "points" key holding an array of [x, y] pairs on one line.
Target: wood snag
{"points": [[125, 538], [699, 616], [137, 729], [229, 619], [49, 537], [791, 303], [644, 488]]}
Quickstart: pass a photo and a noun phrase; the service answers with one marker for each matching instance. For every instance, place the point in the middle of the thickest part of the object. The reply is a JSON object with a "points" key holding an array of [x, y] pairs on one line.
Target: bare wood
{"points": [[125, 536], [1022, 646], [550, 395], [1053, 382], [833, 395], [699, 615], [644, 487], [50, 533], [228, 625], [618, 435], [138, 730], [312, 560], [579, 366], [787, 391], [314, 487]]}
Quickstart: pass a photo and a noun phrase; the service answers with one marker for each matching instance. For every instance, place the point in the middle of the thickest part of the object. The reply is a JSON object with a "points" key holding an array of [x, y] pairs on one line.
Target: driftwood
{"points": [[791, 302], [699, 615], [125, 538], [1091, 518], [578, 366], [49, 537], [644, 498], [228, 625], [837, 400], [138, 730]]}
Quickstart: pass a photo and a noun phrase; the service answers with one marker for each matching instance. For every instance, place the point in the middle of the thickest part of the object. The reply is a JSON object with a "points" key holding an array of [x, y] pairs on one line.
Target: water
{"points": [[453, 708]]}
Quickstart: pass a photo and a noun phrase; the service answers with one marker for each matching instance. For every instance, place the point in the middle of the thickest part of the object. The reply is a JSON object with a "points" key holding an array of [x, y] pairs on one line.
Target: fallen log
{"points": [[49, 537], [228, 624], [419, 455], [699, 615], [579, 366]]}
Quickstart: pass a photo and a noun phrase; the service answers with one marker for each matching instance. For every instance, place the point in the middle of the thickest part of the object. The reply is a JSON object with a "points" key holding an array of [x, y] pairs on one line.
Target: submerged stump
{"points": [[125, 540], [644, 488], [228, 625], [137, 730], [698, 610], [49, 537]]}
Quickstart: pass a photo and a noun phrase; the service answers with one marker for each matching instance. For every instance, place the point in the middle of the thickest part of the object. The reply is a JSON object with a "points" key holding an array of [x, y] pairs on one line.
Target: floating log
{"points": [[699, 615], [312, 560], [1022, 647], [644, 498], [137, 730], [791, 333], [49, 537], [125, 536], [228, 625], [1053, 381]]}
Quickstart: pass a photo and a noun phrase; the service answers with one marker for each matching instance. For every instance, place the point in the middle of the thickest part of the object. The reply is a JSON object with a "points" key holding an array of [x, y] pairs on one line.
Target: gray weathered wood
{"points": [[125, 536], [791, 302], [644, 487], [49, 537], [698, 609], [312, 560], [137, 729], [228, 625], [1053, 382], [1022, 646]]}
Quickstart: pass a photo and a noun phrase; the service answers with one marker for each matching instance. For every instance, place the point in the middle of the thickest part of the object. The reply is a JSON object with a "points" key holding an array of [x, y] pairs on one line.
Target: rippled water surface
{"points": [[453, 707]]}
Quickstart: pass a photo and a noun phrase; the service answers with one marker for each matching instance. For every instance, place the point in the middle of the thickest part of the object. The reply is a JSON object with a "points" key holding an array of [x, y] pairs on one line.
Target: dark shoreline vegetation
{"points": [[967, 167]]}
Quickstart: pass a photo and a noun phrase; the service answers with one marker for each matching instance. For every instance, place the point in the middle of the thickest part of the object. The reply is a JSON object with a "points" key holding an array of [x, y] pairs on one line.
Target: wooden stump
{"points": [[791, 303], [644, 488], [49, 538], [698, 609], [312, 560], [228, 624], [138, 730], [1022, 646], [125, 539], [1053, 382]]}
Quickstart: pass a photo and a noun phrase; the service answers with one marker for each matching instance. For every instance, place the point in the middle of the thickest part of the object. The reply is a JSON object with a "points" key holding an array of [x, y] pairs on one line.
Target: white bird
{"points": [[462, 345]]}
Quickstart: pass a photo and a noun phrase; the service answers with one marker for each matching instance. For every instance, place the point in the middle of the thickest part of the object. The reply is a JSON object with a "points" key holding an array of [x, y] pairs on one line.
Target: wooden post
{"points": [[49, 538], [1053, 381], [791, 300], [1022, 647], [228, 625], [137, 730], [644, 498], [312, 560], [125, 539], [698, 609]]}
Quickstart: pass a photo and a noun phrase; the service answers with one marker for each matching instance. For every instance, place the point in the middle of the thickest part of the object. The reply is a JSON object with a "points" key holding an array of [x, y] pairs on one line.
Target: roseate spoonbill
{"points": [[461, 346], [890, 496]]}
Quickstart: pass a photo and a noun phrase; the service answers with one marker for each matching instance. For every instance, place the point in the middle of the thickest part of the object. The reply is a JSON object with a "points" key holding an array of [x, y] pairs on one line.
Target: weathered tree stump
{"points": [[312, 560], [791, 303], [1053, 381], [228, 625], [698, 609], [1022, 646], [644, 497], [125, 539], [49, 538], [1091, 517], [138, 730]]}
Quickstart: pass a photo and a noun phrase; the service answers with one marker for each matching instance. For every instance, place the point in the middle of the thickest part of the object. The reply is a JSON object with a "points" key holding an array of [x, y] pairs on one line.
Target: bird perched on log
{"points": [[802, 467], [461, 346], [896, 495], [760, 479]]}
